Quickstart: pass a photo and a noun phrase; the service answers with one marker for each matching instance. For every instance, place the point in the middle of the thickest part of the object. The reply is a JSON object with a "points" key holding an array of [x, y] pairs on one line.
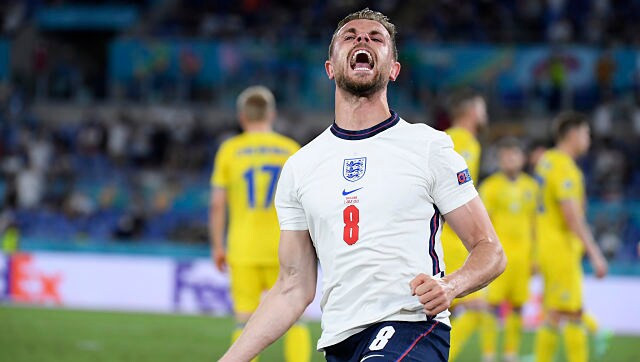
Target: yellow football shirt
{"points": [[511, 204], [465, 143], [560, 180], [247, 166], [468, 147]]}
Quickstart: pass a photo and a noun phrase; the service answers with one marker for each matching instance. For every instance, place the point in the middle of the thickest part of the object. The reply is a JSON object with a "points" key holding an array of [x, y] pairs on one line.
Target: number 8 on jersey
{"points": [[351, 218]]}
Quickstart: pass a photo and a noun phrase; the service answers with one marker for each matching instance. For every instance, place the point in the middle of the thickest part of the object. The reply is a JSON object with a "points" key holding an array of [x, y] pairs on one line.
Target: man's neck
{"points": [[257, 128], [357, 113], [466, 124], [512, 175], [568, 149]]}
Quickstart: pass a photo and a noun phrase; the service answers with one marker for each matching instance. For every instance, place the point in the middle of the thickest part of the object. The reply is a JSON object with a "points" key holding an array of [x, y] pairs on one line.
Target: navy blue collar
{"points": [[368, 132]]}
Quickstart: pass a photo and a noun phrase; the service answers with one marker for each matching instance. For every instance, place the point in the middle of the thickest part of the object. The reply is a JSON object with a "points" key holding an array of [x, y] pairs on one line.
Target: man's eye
{"points": [[377, 40], [349, 37]]}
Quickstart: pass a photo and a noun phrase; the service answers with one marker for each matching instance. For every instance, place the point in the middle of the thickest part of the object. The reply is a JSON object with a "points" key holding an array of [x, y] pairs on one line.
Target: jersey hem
{"points": [[442, 317]]}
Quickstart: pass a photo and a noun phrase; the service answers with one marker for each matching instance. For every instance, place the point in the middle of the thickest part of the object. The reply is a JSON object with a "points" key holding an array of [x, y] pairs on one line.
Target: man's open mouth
{"points": [[361, 60]]}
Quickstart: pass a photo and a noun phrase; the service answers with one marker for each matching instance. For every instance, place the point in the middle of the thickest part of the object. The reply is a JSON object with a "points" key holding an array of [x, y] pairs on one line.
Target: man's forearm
{"points": [[279, 310], [485, 262], [579, 227], [217, 221], [216, 229], [285, 302], [584, 234], [486, 258]]}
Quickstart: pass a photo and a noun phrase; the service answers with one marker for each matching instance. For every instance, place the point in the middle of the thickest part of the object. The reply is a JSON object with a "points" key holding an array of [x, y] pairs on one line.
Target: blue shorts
{"points": [[394, 341]]}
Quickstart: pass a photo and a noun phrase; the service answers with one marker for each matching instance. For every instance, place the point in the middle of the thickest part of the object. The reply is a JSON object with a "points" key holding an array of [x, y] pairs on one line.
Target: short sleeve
{"points": [[290, 212], [452, 185], [566, 185], [220, 174]]}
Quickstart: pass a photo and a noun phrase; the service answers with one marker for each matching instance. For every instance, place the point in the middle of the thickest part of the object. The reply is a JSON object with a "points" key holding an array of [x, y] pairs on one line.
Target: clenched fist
{"points": [[435, 294]]}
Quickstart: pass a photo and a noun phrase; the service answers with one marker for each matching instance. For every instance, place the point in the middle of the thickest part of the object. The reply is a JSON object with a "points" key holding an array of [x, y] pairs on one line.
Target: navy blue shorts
{"points": [[426, 341]]}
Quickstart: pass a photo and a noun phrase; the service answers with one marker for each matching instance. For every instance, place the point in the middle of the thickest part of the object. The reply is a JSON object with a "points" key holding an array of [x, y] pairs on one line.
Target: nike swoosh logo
{"points": [[345, 192], [372, 355]]}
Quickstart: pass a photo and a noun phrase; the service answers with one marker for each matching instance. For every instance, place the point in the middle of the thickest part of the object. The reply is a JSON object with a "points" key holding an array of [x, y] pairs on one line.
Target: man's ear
{"points": [[395, 71], [328, 67]]}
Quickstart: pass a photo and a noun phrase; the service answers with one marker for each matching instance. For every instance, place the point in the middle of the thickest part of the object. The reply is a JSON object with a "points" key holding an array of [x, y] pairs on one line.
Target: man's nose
{"points": [[364, 37]]}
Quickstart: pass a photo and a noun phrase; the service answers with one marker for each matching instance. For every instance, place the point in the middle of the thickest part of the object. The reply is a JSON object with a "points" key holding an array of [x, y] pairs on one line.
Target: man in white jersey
{"points": [[367, 199]]}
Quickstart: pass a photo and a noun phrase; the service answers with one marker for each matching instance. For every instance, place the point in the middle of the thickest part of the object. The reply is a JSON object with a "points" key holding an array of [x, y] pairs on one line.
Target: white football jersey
{"points": [[373, 202]]}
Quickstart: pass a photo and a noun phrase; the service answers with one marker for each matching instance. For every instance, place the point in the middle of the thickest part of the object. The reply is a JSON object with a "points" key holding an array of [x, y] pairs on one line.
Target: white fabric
{"points": [[409, 169]]}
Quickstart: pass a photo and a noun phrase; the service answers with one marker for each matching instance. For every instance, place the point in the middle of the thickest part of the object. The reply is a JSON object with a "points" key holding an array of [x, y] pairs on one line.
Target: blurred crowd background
{"points": [[111, 111]]}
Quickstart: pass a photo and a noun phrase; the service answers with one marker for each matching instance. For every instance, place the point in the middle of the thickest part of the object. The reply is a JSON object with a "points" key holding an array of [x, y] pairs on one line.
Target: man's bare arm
{"points": [[217, 224], [578, 225], [285, 302], [485, 262], [534, 243], [486, 258]]}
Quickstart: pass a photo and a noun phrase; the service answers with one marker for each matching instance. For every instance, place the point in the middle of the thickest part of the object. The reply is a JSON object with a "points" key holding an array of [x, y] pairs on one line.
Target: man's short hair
{"points": [[565, 122], [459, 100], [256, 103], [509, 143], [368, 14]]}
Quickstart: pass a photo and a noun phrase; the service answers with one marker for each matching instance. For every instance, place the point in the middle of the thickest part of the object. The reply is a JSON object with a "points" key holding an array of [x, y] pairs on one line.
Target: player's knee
{"points": [[555, 318], [552, 319], [574, 317]]}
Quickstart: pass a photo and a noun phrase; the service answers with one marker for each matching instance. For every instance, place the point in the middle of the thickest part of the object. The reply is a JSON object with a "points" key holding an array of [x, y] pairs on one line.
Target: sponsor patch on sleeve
{"points": [[464, 176]]}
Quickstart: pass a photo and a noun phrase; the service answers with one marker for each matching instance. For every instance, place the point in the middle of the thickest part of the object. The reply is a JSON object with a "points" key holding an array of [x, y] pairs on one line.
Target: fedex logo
{"points": [[27, 284], [199, 288]]}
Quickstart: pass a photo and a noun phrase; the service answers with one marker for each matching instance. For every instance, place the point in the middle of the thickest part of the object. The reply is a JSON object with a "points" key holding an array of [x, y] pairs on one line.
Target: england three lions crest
{"points": [[354, 168]]}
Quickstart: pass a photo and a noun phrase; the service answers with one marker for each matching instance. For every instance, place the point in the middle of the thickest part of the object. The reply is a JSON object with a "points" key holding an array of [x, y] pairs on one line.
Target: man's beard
{"points": [[359, 88]]}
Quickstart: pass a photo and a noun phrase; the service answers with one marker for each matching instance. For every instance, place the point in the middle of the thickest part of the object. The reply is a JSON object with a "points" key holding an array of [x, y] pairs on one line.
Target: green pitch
{"points": [[35, 334]]}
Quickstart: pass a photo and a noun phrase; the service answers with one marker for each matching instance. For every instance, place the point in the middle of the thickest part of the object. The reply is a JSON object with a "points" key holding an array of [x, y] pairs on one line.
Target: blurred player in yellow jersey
{"points": [[510, 198], [244, 179], [468, 112], [563, 239]]}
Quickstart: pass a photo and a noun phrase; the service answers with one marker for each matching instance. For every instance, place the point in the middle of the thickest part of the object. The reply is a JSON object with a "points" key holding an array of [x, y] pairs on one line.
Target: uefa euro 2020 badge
{"points": [[354, 168]]}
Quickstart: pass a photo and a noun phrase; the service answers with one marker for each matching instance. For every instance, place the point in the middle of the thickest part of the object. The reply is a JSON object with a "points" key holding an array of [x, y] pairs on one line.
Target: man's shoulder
{"points": [[285, 141], [233, 143], [561, 167], [229, 141], [557, 159], [227, 148], [547, 163], [459, 134], [423, 133], [253, 144], [422, 129], [463, 140]]}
